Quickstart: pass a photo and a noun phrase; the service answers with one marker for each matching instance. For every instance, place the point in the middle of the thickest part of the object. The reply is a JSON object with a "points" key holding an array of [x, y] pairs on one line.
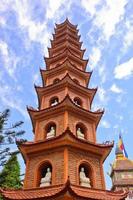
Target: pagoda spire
{"points": [[122, 169]]}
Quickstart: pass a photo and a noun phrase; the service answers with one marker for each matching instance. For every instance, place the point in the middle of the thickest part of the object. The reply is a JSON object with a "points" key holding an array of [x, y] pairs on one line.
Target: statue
{"points": [[76, 102], [55, 102], [80, 134], [46, 181], [51, 133], [84, 181]]}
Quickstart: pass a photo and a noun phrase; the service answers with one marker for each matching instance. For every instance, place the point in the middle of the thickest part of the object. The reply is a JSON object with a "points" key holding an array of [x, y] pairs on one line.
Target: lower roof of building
{"points": [[62, 191]]}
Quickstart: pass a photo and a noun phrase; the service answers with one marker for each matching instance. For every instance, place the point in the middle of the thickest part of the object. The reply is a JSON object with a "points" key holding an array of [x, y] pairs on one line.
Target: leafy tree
{"points": [[10, 175], [8, 135]]}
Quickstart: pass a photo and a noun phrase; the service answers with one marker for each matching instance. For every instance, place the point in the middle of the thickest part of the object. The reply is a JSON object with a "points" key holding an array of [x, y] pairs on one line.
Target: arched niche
{"points": [[44, 174], [50, 130], [78, 101], [54, 101], [81, 131], [88, 176], [56, 80], [76, 81]]}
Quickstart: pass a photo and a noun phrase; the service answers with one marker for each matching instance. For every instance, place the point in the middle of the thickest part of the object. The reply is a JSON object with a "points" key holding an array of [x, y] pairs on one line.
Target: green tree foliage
{"points": [[8, 135], [10, 175]]}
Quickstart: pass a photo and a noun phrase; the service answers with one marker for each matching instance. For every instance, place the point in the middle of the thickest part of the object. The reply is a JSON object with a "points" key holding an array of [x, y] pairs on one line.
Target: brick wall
{"points": [[77, 157], [57, 159], [61, 93], [61, 75], [61, 124]]}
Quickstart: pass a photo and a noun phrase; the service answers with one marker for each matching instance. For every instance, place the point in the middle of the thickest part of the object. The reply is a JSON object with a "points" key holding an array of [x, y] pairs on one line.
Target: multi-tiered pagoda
{"points": [[64, 161]]}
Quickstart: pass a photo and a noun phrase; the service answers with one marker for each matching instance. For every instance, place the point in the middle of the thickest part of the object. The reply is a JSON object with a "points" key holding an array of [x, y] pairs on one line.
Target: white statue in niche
{"points": [[84, 181], [80, 134], [46, 181], [76, 102], [51, 133], [55, 102]]}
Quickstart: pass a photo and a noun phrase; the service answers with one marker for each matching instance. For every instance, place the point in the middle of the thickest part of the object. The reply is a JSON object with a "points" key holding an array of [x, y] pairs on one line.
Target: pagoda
{"points": [[122, 173], [64, 161]]}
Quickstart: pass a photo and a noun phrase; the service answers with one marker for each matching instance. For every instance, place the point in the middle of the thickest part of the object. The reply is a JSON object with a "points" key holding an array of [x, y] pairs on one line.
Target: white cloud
{"points": [[101, 94], [105, 15], [95, 57], [124, 70], [90, 6], [2, 21], [36, 78], [52, 8], [114, 88], [119, 99], [8, 99], [37, 31], [102, 73], [119, 117], [10, 60], [128, 36], [105, 124], [109, 16]]}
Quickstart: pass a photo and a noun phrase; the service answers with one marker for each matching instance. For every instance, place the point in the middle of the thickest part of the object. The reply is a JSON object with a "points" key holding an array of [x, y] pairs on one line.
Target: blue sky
{"points": [[106, 29]]}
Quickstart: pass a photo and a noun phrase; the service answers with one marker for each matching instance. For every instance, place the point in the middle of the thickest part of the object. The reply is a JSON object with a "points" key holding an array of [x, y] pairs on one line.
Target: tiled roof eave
{"points": [[95, 116], [65, 53], [58, 191], [66, 139], [66, 80], [56, 68]]}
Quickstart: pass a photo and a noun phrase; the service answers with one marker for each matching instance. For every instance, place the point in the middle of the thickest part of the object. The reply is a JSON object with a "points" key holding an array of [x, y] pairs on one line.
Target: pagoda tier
{"points": [[60, 37], [67, 138], [68, 145], [66, 32], [72, 29], [66, 23], [67, 113], [52, 62], [63, 46], [65, 87], [64, 26], [66, 38], [51, 76]]}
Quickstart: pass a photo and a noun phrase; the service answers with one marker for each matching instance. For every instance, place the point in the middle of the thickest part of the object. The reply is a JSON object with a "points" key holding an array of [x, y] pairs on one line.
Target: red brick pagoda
{"points": [[64, 161]]}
